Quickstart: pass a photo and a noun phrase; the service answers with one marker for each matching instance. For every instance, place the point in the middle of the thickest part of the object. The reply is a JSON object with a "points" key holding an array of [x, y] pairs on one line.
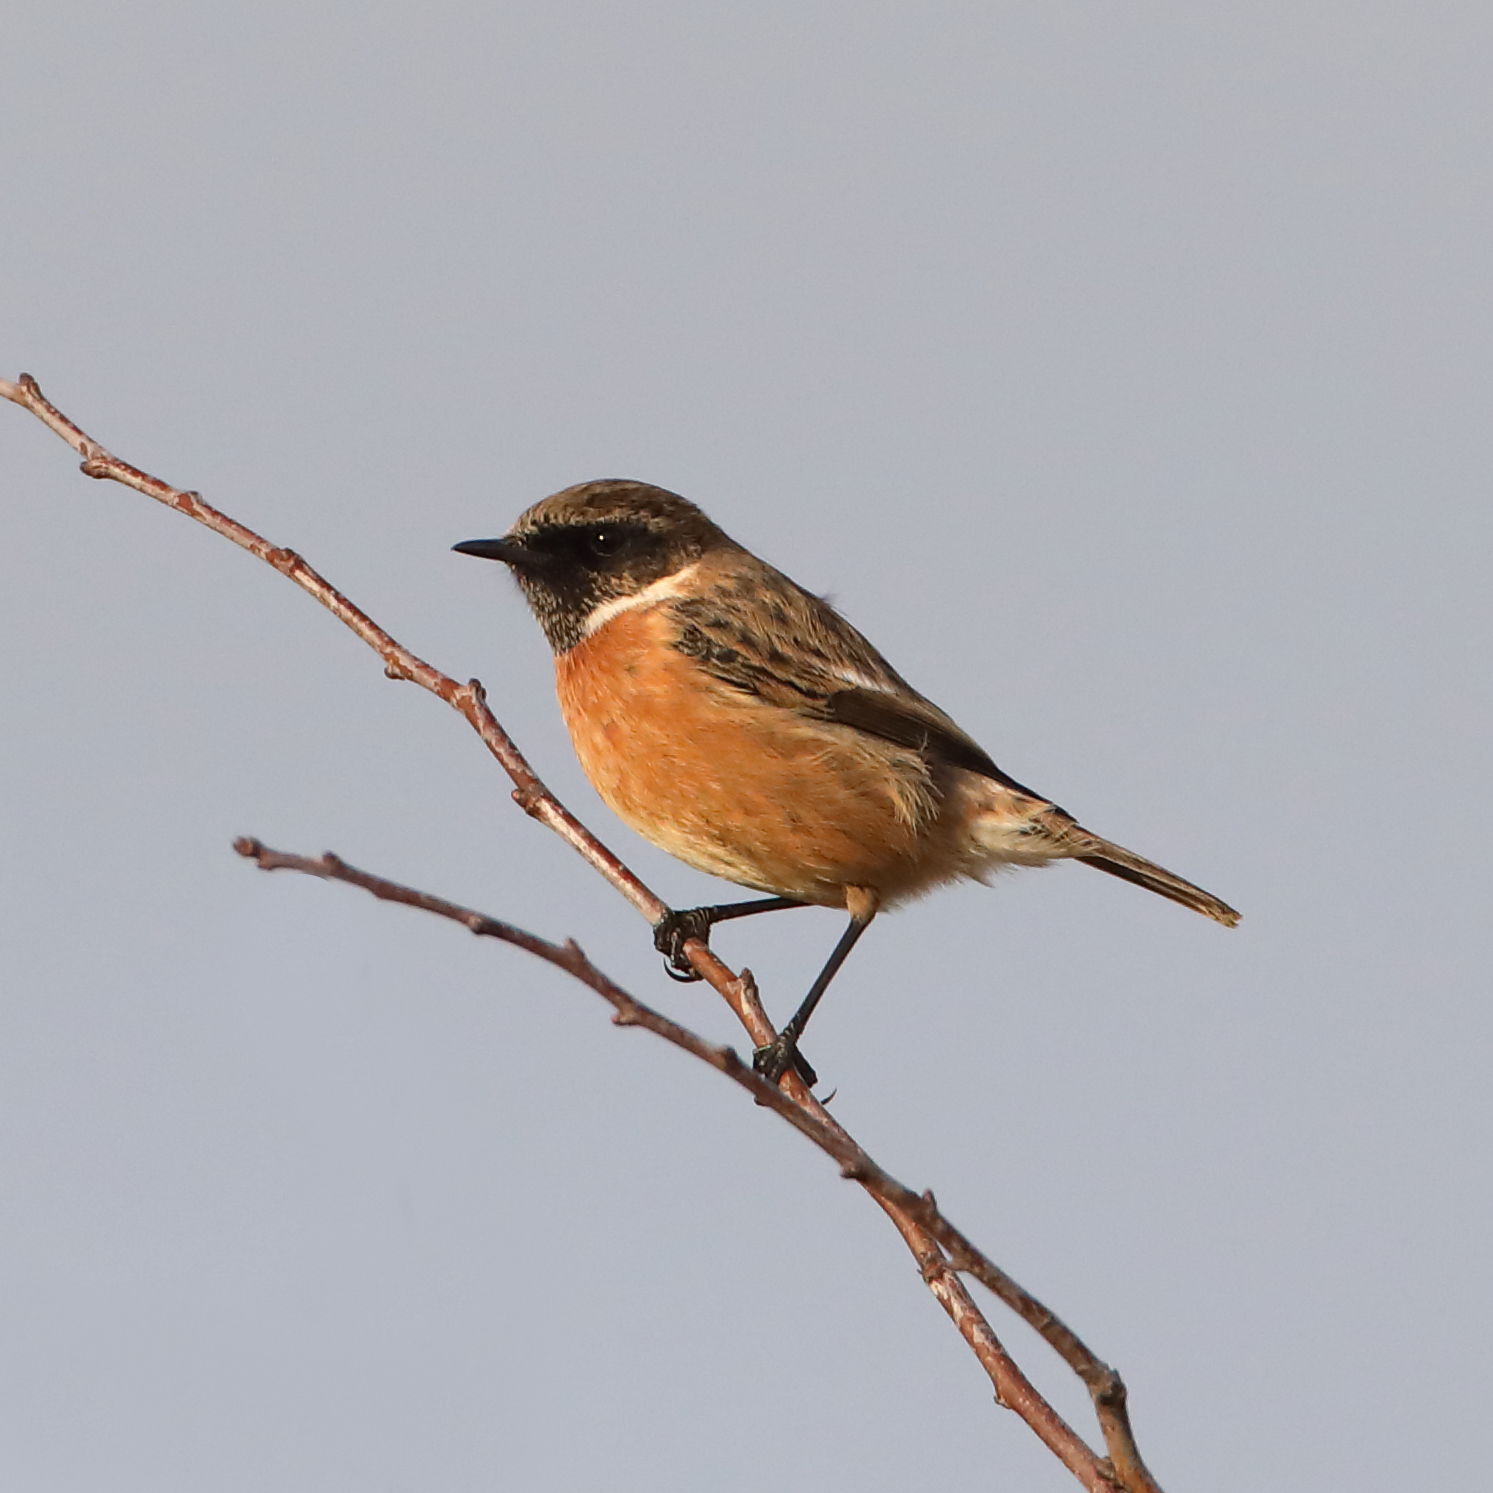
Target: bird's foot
{"points": [[778, 1056], [669, 935]]}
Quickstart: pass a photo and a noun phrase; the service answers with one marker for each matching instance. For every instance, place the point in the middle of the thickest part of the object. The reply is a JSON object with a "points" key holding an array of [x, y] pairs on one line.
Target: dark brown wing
{"points": [[911, 721], [760, 632]]}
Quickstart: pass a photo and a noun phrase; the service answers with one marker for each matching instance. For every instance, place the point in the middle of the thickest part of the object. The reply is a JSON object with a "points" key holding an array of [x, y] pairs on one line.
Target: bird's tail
{"points": [[1117, 861]]}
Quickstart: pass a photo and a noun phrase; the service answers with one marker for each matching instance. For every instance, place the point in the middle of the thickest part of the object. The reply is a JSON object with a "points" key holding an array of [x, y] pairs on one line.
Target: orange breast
{"points": [[748, 791]]}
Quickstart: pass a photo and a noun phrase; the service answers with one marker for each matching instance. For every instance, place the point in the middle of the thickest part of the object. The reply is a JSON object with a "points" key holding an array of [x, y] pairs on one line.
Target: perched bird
{"points": [[743, 725]]}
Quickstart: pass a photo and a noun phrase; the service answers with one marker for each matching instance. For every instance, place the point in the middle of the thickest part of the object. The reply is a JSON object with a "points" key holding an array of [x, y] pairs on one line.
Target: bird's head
{"points": [[585, 553]]}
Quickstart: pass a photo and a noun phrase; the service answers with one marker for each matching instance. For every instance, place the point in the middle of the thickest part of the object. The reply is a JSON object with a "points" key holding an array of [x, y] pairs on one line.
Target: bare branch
{"points": [[942, 1252], [939, 1269]]}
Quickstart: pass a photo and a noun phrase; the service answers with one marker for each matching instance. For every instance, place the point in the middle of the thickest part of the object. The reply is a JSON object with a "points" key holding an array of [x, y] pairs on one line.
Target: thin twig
{"points": [[940, 1250]]}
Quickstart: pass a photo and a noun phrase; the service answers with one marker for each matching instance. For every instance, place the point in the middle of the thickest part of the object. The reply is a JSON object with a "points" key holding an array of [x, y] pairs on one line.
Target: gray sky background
{"points": [[1123, 371]]}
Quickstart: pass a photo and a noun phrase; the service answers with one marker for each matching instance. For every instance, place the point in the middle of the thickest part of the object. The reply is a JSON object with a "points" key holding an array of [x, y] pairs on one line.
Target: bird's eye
{"points": [[605, 541]]}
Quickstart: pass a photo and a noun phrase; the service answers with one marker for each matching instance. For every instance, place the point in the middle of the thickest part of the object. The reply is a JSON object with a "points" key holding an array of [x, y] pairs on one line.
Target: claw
{"points": [[778, 1056], [669, 935]]}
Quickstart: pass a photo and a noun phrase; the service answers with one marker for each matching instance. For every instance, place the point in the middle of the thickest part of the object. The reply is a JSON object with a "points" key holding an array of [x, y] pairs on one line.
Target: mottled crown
{"points": [[619, 500]]}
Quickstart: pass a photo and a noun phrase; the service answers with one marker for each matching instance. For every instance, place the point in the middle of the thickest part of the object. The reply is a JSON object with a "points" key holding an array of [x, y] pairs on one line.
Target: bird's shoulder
{"points": [[754, 629]]}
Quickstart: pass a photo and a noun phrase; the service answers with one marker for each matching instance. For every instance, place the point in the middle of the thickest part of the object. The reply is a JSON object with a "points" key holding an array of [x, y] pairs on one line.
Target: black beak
{"points": [[509, 551]]}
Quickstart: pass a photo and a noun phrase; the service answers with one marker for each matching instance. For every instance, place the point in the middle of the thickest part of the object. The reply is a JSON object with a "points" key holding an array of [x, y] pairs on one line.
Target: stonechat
{"points": [[740, 723]]}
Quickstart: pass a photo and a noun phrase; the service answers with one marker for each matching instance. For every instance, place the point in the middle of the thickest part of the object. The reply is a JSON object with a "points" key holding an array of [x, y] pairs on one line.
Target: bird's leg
{"points": [[671, 930], [782, 1053]]}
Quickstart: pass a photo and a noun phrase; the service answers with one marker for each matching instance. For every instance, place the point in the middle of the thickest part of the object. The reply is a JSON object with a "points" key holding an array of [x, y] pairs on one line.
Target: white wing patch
{"points": [[858, 680]]}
